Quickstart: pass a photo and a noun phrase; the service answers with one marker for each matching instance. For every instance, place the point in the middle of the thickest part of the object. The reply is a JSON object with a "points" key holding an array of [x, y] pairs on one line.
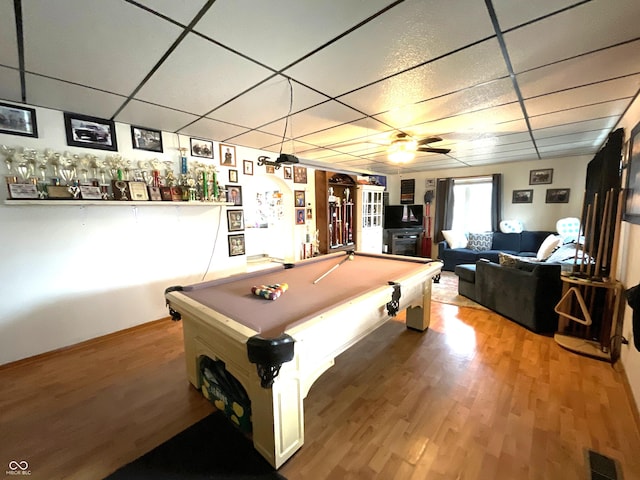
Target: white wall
{"points": [[71, 273]]}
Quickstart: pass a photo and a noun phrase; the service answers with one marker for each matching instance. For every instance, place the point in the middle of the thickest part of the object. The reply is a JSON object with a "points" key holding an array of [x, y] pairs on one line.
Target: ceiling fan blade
{"points": [[434, 150], [427, 140]]}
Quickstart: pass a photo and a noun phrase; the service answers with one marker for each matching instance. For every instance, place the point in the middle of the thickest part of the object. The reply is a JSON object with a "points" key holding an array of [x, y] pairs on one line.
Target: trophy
{"points": [[8, 154], [122, 186]]}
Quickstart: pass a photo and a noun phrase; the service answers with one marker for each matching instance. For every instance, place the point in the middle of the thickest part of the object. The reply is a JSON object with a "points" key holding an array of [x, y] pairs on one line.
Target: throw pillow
{"points": [[511, 226], [455, 239], [507, 260], [548, 246], [480, 242]]}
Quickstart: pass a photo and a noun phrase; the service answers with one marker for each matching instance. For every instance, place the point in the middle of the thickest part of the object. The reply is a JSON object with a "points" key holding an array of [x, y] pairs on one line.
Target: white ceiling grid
{"points": [[361, 71]]}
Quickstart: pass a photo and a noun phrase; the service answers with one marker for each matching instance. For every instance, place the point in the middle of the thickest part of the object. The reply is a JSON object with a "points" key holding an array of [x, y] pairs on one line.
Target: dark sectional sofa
{"points": [[524, 244], [526, 292]]}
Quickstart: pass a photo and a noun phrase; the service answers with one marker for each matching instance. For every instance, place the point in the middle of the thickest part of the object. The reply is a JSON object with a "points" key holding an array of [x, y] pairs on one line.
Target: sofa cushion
{"points": [[506, 241], [466, 272], [530, 240], [455, 239], [507, 260], [480, 241], [511, 226], [548, 246]]}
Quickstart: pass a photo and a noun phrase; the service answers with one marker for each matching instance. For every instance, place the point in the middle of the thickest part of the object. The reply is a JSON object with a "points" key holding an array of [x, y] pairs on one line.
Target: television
{"points": [[403, 216]]}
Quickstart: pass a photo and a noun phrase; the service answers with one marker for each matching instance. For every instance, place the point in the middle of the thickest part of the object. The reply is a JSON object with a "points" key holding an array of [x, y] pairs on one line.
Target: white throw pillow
{"points": [[548, 246], [511, 226], [455, 239]]}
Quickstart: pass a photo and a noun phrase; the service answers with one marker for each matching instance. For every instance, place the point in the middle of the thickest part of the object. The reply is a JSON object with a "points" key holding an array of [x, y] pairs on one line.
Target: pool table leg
{"points": [[419, 317]]}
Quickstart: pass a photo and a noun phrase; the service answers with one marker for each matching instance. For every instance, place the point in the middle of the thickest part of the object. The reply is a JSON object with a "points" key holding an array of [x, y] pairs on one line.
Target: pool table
{"points": [[278, 348]]}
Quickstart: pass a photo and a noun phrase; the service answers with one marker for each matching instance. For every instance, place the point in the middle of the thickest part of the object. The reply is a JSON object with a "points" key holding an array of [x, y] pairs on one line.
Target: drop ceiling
{"points": [[331, 81]]}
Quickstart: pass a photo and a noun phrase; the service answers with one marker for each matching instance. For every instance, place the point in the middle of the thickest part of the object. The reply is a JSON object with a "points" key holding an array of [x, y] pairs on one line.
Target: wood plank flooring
{"points": [[476, 397]]}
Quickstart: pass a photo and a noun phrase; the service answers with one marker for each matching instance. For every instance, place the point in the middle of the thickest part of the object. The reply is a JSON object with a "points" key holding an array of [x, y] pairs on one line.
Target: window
{"points": [[472, 204]]}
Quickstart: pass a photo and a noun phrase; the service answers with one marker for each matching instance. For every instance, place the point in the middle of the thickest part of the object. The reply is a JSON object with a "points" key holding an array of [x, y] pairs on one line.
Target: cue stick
{"points": [[348, 257], [605, 222], [586, 232], [580, 229]]}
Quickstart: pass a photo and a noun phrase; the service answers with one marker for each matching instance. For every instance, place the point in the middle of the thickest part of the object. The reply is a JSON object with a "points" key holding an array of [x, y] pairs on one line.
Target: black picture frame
{"points": [[236, 244], [522, 196], [247, 166], [632, 189], [201, 148], [90, 132], [557, 195], [233, 176], [235, 220], [541, 176], [17, 120], [234, 194], [146, 139]]}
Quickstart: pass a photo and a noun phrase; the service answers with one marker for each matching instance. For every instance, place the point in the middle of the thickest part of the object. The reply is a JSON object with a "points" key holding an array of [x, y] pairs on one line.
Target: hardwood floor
{"points": [[476, 397]]}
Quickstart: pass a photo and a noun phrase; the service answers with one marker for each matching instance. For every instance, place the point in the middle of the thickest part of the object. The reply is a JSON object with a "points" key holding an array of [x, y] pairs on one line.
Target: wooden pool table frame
{"points": [[277, 412]]}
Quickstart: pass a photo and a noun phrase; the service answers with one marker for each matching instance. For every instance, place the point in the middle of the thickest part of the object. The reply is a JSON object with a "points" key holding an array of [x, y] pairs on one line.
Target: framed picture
{"points": [[632, 201], [299, 198], [201, 148], [235, 220], [247, 167], [90, 132], [233, 176], [287, 173], [299, 175], [16, 120], [146, 139], [522, 196], [236, 244], [541, 176], [309, 214], [227, 155], [270, 168], [557, 195], [300, 216], [234, 194]]}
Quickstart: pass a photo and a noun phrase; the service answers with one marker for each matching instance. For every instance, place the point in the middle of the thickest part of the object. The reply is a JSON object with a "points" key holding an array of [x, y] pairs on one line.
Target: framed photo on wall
{"points": [[541, 176], [236, 245], [299, 197], [632, 200], [227, 155], [235, 220], [522, 196], [287, 173], [299, 175], [233, 176], [234, 194], [16, 120], [90, 132], [201, 148], [247, 167], [300, 216], [146, 139], [557, 195]]}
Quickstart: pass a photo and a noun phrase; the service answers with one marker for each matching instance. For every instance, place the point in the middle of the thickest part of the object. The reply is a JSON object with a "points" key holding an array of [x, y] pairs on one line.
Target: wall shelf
{"points": [[122, 203]]}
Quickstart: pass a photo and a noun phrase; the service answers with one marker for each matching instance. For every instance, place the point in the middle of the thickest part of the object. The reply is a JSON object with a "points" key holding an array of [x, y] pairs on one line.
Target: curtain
{"points": [[496, 202], [444, 207]]}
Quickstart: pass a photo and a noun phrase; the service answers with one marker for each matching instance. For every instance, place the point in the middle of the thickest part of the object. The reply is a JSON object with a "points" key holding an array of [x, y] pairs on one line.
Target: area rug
{"points": [[213, 448], [447, 292]]}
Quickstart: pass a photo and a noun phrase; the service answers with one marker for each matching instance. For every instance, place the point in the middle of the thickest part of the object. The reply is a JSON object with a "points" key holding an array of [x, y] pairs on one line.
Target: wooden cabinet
{"points": [[369, 219], [336, 207]]}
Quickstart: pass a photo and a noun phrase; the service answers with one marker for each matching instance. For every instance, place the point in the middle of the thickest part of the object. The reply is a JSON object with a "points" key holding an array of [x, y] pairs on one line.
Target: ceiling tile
{"points": [[320, 117], [568, 153], [588, 27], [590, 112], [487, 95], [267, 102], [10, 85], [98, 48], [182, 11], [511, 13], [8, 42], [257, 139], [403, 37], [257, 29], [46, 92], [592, 138], [595, 67], [432, 80], [162, 118], [604, 124], [174, 84], [212, 130], [356, 131], [591, 94]]}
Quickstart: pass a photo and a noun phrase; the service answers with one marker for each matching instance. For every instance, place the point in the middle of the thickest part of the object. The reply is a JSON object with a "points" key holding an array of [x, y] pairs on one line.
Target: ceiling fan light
{"points": [[402, 151]]}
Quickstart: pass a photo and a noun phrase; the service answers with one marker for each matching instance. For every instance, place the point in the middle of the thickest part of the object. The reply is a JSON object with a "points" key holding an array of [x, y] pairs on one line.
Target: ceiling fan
{"points": [[403, 147]]}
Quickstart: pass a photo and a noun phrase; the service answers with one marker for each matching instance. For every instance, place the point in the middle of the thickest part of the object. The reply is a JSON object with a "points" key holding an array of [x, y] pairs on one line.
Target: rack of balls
{"points": [[270, 292]]}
